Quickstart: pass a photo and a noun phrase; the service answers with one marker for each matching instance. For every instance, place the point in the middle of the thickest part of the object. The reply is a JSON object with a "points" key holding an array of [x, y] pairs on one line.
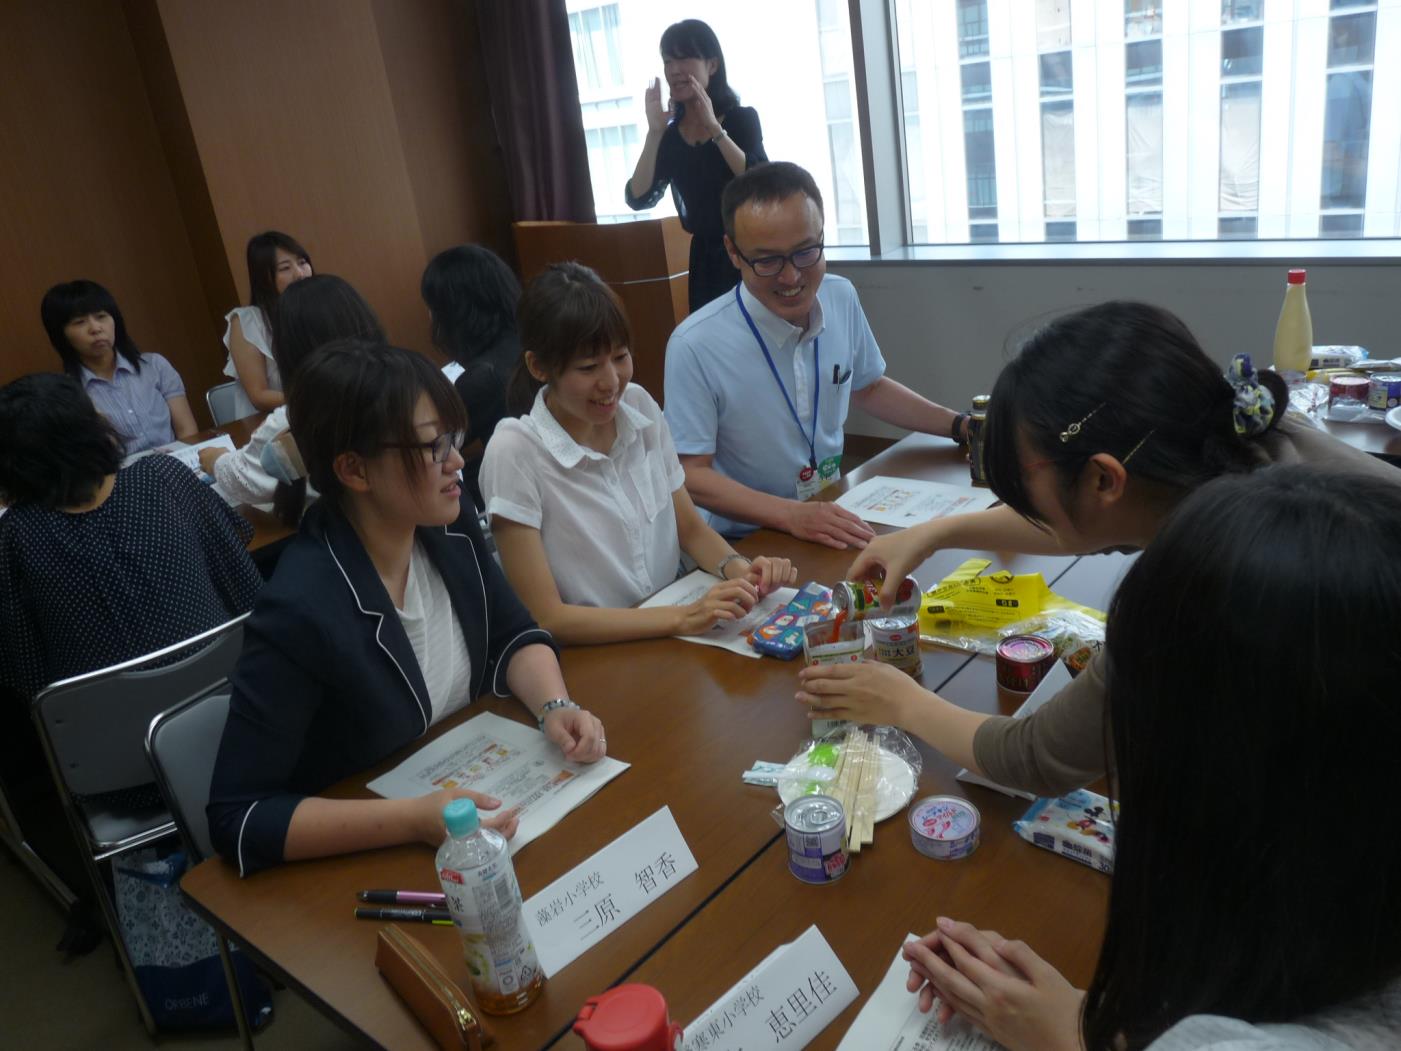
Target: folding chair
{"points": [[224, 402], [93, 729], [182, 745]]}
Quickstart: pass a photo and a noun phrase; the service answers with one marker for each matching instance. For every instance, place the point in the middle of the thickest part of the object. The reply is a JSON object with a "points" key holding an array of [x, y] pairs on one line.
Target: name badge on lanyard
{"points": [[812, 477]]}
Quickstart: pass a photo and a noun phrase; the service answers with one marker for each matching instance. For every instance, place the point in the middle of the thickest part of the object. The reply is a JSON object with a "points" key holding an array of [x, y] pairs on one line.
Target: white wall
{"points": [[946, 329]]}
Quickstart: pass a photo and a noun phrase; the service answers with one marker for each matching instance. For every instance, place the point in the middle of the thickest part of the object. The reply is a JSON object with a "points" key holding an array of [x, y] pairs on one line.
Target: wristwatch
{"points": [[552, 706], [731, 557], [956, 432]]}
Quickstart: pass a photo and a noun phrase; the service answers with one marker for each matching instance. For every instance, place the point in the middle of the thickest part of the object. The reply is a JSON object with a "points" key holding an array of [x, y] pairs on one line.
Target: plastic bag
{"points": [[1078, 825], [969, 609], [174, 953]]}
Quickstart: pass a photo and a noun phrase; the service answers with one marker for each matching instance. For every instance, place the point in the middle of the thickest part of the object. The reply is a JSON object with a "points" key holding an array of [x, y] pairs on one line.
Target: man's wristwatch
{"points": [[956, 432], [552, 706]]}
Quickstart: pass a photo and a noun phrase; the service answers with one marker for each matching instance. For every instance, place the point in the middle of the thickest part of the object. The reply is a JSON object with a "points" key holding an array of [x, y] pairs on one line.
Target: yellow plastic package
{"points": [[969, 609]]}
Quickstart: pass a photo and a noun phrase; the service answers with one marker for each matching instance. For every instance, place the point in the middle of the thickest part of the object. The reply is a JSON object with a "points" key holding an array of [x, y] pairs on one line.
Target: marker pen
{"points": [[403, 897], [405, 915]]}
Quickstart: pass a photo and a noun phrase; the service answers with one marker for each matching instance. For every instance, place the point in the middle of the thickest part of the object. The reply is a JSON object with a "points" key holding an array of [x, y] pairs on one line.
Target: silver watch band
{"points": [[731, 557], [552, 706]]}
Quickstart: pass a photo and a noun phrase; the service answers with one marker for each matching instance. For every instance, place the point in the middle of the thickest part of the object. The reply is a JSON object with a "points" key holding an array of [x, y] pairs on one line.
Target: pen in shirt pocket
{"points": [[838, 376]]}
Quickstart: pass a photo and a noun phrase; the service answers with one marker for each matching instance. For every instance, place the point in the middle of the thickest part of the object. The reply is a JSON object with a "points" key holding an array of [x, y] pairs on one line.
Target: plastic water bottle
{"points": [[1294, 331], [484, 898]]}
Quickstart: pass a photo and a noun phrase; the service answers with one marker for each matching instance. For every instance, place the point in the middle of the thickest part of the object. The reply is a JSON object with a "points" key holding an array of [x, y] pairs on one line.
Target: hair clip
{"points": [[1135, 449], [1074, 429]]}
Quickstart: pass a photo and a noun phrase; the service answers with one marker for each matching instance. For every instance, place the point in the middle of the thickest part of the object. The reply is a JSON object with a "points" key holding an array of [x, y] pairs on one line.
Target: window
{"points": [[972, 28], [1143, 18], [1143, 63], [794, 69]]}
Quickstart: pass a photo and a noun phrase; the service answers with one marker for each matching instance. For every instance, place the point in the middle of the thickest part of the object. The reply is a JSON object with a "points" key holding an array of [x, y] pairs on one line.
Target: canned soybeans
{"points": [[815, 827], [945, 827], [896, 642]]}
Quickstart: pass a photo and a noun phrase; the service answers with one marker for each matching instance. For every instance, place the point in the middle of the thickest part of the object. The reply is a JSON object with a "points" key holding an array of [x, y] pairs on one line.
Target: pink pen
{"points": [[402, 897]]}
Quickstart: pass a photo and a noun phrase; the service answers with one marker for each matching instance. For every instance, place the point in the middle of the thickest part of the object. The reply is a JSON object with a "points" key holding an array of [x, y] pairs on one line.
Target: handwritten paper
{"points": [[892, 1021], [784, 1002], [595, 898], [907, 501], [732, 635], [1057, 678], [498, 757]]}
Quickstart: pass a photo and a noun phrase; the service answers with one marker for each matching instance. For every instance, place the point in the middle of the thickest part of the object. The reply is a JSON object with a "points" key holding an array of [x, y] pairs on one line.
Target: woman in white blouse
{"points": [[587, 498], [275, 261], [312, 313]]}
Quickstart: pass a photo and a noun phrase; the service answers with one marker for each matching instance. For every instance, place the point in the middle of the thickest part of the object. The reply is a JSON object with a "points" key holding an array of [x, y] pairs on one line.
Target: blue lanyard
{"points": [[816, 382]]}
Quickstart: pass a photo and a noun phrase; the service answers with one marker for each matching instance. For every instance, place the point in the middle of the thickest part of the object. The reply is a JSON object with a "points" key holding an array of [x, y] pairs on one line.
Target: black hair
{"points": [[472, 296], [357, 396], [692, 38], [1253, 663], [766, 183], [75, 299], [566, 313], [1140, 387], [55, 447], [311, 313], [262, 268]]}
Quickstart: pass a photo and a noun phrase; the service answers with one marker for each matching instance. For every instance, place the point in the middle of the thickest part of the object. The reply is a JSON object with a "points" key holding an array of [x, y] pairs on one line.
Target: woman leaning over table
{"points": [[386, 614], [1252, 705], [702, 140], [275, 261], [587, 499], [1105, 420], [140, 394]]}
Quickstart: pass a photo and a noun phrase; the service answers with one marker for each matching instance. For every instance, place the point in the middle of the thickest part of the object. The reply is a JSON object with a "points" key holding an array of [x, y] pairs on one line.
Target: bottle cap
{"points": [[1296, 277], [627, 1018], [461, 818], [981, 402]]}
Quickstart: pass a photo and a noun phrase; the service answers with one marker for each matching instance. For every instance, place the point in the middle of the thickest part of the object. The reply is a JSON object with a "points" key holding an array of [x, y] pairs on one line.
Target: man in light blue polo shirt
{"points": [[759, 381]]}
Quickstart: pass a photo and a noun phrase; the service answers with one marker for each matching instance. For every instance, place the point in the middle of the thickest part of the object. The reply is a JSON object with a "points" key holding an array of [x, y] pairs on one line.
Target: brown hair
{"points": [[566, 313], [356, 396]]}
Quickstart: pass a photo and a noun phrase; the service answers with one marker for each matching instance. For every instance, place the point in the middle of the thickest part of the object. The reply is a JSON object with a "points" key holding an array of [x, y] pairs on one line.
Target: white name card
{"points": [[783, 1003], [595, 898], [892, 1021]]}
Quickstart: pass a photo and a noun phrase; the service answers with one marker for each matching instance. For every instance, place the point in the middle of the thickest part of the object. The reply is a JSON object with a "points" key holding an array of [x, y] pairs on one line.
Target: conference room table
{"points": [[689, 719]]}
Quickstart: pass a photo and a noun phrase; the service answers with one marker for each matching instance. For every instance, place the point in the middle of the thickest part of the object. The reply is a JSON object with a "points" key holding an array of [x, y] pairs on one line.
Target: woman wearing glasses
{"points": [[702, 140], [386, 614], [587, 499]]}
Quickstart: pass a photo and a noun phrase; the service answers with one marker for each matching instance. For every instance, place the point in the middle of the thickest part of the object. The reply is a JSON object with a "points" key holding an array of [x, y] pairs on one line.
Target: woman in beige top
{"points": [[1101, 424]]}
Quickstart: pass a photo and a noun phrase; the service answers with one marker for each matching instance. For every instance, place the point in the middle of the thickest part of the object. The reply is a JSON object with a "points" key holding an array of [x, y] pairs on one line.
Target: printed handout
{"points": [[907, 501], [732, 635]]}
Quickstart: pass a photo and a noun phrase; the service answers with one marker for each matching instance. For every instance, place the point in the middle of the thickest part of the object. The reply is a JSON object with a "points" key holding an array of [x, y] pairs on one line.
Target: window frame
{"points": [[877, 83]]}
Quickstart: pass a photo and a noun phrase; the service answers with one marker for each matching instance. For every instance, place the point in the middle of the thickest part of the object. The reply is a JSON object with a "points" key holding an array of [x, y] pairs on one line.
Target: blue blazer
{"points": [[328, 685]]}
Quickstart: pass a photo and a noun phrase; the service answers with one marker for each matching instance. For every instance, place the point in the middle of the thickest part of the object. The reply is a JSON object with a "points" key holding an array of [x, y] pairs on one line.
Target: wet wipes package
{"points": [[782, 634], [1078, 825]]}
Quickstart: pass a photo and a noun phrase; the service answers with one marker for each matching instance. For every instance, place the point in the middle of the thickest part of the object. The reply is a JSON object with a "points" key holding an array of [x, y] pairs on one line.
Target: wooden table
{"points": [[891, 890], [267, 528], [1377, 439], [689, 719]]}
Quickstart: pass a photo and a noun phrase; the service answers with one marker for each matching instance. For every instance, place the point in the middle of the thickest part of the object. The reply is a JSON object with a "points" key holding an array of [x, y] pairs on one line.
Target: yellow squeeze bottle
{"points": [[1294, 332]]}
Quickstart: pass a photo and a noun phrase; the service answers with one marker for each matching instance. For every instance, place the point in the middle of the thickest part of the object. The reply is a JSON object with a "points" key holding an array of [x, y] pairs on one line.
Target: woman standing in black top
{"points": [[697, 145]]}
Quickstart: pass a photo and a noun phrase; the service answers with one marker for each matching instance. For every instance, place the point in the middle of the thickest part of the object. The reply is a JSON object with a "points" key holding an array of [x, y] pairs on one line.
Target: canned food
{"points": [[896, 642], [859, 599], [1023, 661], [1348, 388], [834, 642], [1384, 391], [815, 827], [945, 827]]}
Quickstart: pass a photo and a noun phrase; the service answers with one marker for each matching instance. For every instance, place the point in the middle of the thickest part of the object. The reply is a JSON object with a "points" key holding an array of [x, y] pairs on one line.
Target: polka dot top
{"points": [[161, 560]]}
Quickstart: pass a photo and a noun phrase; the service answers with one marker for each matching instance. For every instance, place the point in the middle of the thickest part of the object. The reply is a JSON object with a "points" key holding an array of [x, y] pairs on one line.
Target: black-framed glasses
{"points": [[772, 265], [441, 447]]}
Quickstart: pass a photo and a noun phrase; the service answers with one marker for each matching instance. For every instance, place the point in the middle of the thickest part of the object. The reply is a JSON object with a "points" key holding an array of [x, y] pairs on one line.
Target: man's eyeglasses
{"points": [[441, 447], [772, 265]]}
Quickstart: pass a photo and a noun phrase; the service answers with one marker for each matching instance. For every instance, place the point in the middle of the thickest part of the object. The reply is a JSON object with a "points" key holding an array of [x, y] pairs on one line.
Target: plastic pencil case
{"points": [[781, 635], [433, 997]]}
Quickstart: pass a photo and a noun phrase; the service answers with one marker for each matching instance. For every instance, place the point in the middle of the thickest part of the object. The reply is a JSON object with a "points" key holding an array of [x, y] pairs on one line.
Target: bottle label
{"points": [[485, 904]]}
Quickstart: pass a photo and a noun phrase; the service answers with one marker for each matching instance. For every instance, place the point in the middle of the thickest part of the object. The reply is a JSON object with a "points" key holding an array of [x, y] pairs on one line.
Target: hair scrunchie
{"points": [[1252, 405]]}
